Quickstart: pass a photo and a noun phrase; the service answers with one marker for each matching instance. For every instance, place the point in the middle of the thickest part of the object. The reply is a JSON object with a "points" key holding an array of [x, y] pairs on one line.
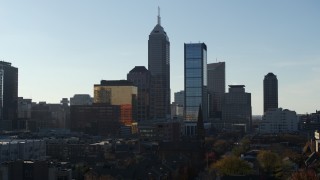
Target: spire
{"points": [[159, 18]]}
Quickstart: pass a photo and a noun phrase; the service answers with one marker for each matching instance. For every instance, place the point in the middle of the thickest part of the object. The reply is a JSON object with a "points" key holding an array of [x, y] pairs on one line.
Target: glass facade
{"points": [[195, 62]]}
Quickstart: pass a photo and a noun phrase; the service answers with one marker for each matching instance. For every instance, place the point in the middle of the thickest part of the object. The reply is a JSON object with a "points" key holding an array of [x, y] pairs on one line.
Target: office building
{"points": [[195, 81], [48, 116], [176, 111], [81, 99], [236, 109], [24, 113], [279, 120], [118, 92], [270, 92], [160, 131], [216, 88], [96, 119], [22, 149], [179, 98], [159, 67], [141, 78], [8, 95]]}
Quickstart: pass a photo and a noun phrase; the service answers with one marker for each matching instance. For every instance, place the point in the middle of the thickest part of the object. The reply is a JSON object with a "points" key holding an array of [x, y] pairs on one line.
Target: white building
{"points": [[176, 110], [279, 120], [26, 149]]}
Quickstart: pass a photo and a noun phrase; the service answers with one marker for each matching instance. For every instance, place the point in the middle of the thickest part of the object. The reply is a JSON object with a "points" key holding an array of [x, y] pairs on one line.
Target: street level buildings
{"points": [[270, 92], [159, 67], [22, 149], [195, 81]]}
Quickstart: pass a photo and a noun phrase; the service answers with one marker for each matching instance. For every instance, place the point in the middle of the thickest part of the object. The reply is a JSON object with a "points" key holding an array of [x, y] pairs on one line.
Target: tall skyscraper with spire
{"points": [[270, 92], [159, 67]]}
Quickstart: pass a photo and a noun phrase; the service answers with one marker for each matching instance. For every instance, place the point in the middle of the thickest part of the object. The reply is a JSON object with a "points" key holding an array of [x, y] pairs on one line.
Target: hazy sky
{"points": [[63, 47]]}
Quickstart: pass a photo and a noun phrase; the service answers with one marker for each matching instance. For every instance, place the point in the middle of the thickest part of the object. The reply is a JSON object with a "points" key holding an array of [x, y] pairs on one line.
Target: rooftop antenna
{"points": [[159, 19]]}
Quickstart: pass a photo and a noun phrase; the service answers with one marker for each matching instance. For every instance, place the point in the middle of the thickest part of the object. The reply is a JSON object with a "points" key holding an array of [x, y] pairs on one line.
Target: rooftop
{"points": [[114, 83]]}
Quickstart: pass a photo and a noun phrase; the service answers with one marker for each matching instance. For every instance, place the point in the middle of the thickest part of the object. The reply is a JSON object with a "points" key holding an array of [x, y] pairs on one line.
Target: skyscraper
{"points": [[8, 93], [270, 92], [195, 80], [140, 77], [159, 67], [216, 87], [236, 109]]}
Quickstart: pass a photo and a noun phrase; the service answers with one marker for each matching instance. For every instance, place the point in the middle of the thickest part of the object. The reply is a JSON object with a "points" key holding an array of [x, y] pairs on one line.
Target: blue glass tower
{"points": [[195, 80]]}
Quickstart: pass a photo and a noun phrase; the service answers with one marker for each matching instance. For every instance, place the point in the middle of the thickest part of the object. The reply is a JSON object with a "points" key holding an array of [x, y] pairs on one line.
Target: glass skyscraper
{"points": [[159, 67], [195, 81]]}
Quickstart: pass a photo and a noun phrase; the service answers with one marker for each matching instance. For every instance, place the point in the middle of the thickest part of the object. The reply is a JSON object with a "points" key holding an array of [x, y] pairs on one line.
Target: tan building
{"points": [[120, 92]]}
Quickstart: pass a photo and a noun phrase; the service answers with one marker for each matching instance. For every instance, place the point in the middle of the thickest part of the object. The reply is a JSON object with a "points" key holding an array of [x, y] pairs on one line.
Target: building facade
{"points": [[118, 92], [141, 78], [236, 109], [179, 98], [195, 81], [48, 116], [96, 119], [270, 92], [159, 67], [160, 131], [8, 95], [81, 99], [279, 120], [216, 88], [176, 111], [22, 149]]}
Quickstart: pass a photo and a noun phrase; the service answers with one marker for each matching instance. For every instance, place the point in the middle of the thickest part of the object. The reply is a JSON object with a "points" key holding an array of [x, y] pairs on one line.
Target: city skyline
{"points": [[64, 48]]}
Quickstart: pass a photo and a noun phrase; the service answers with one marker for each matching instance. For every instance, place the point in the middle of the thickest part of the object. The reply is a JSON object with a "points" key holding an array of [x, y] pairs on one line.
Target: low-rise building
{"points": [[160, 131], [279, 120], [23, 149]]}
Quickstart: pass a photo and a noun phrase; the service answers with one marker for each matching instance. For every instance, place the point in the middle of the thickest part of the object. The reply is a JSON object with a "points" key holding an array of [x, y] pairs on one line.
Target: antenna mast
{"points": [[159, 19]]}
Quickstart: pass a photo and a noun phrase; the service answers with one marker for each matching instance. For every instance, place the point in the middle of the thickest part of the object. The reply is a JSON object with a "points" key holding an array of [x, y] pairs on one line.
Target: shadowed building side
{"points": [[8, 96], [216, 88], [141, 78], [270, 92]]}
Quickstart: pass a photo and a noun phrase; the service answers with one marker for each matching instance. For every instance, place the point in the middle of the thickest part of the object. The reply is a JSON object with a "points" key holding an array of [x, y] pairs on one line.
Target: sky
{"points": [[64, 47]]}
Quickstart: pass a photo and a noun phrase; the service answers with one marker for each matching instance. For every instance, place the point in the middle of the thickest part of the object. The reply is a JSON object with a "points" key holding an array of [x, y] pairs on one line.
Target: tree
{"points": [[269, 161], [231, 165], [220, 147], [304, 174]]}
